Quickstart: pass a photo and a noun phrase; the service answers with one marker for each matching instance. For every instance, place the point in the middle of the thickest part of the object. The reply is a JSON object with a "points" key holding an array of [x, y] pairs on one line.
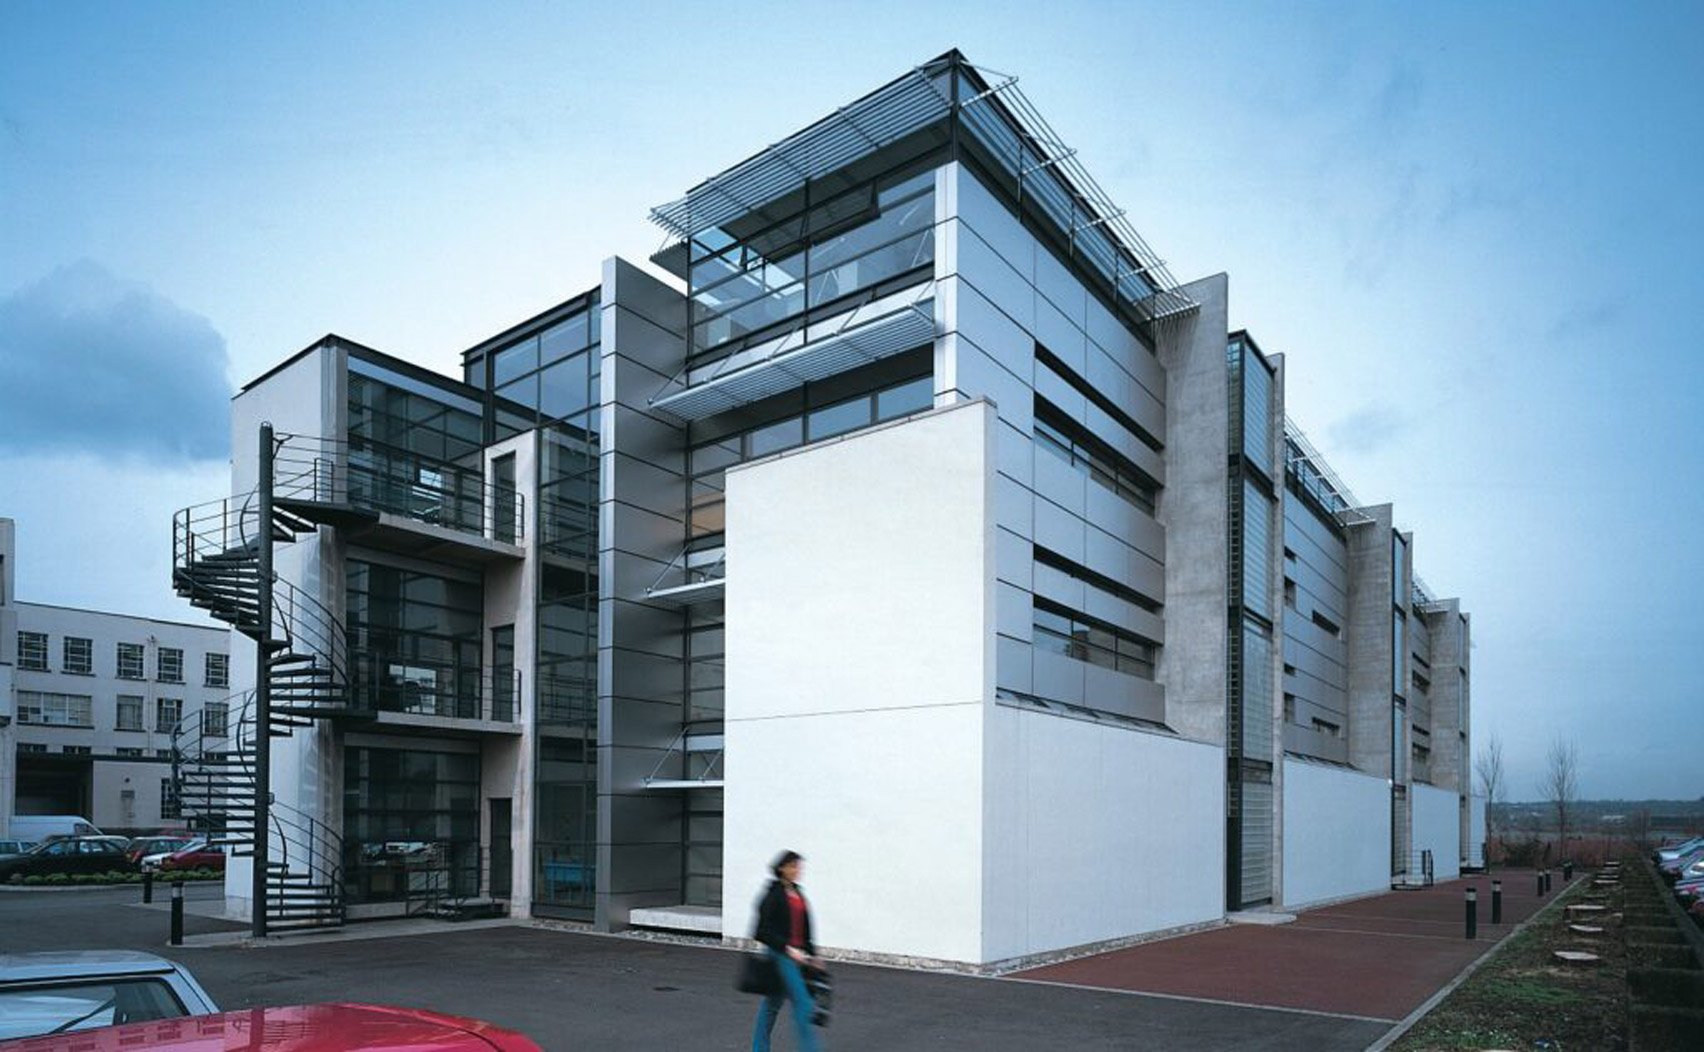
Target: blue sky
{"points": [[1471, 229]]}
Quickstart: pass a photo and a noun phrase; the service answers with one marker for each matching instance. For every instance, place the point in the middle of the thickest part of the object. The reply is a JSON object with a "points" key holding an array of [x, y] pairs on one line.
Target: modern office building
{"points": [[89, 704], [902, 511]]}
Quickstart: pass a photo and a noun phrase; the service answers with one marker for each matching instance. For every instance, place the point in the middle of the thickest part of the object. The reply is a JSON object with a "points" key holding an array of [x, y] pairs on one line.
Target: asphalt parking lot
{"points": [[573, 991]]}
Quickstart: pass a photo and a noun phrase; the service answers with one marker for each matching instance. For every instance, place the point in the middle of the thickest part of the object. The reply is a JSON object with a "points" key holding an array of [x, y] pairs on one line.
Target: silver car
{"points": [[59, 992]]}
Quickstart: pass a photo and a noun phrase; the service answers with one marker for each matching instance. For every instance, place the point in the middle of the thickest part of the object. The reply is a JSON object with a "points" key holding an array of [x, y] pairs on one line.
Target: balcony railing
{"points": [[375, 477], [493, 696]]}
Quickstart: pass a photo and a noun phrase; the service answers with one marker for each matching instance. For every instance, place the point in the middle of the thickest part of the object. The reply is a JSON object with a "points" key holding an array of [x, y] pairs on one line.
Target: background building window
{"points": [[31, 747], [130, 661], [32, 651], [55, 710], [79, 656], [214, 716], [129, 713], [167, 713], [169, 665], [169, 799], [76, 750], [130, 753], [218, 672]]}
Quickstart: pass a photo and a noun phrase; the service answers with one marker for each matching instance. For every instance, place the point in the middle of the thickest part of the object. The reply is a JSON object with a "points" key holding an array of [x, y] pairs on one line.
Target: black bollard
{"points": [[1539, 877], [1567, 872], [1496, 902], [177, 913], [147, 886], [1472, 912]]}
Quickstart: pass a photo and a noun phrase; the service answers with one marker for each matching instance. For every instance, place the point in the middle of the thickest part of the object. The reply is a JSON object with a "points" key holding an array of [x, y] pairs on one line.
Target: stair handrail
{"points": [[339, 471]]}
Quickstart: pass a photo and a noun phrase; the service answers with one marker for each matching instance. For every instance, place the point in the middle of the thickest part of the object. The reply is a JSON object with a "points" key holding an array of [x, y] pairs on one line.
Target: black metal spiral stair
{"points": [[218, 565]]}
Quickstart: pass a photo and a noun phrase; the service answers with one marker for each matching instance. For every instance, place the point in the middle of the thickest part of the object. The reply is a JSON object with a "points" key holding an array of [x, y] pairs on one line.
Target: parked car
{"points": [[141, 847], [56, 993], [43, 827], [296, 1028], [197, 855], [15, 847], [1697, 912], [1670, 851], [69, 855], [1671, 868]]}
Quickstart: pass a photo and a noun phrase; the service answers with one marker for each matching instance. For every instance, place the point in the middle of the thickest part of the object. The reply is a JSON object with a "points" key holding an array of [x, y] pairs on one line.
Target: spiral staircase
{"points": [[220, 554]]}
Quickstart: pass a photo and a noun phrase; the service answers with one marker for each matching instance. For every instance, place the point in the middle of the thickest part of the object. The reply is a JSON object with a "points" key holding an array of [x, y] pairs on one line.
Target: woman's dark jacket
{"points": [[775, 920]]}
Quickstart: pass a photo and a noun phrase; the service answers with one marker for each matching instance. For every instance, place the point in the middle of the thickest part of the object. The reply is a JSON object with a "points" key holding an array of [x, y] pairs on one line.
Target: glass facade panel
{"points": [[411, 824], [1079, 636], [414, 641], [838, 419], [1256, 692], [1257, 550]]}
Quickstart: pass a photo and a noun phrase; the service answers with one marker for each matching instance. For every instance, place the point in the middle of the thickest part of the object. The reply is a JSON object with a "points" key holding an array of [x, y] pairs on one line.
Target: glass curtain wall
{"points": [[411, 824], [548, 380], [413, 452], [414, 640], [847, 237]]}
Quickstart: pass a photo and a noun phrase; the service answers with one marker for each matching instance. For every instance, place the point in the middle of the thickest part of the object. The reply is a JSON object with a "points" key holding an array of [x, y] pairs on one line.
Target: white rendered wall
{"points": [[1336, 833], [1097, 832], [860, 670], [1437, 828]]}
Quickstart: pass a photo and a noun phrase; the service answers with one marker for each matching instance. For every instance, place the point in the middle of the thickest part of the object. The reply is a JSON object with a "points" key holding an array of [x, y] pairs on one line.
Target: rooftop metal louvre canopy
{"points": [[1347, 504], [1001, 117]]}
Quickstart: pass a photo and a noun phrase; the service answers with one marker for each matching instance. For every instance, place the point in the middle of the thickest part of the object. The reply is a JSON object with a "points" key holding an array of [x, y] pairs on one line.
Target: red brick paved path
{"points": [[1379, 957]]}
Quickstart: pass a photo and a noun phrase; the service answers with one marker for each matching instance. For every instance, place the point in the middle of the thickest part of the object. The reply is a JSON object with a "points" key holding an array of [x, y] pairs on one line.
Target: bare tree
{"points": [[1489, 767], [1562, 783]]}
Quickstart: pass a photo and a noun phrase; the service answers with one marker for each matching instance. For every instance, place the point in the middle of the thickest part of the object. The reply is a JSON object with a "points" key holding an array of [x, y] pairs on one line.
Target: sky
{"points": [[1470, 229]]}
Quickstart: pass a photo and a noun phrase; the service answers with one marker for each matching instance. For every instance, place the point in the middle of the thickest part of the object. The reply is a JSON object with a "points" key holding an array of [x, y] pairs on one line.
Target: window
{"points": [[55, 710], [167, 713], [129, 713], [214, 716], [31, 747], [130, 753], [1068, 440], [1327, 624], [169, 807], [218, 671], [162, 754], [74, 1006], [169, 665], [76, 750], [32, 651], [130, 661], [1289, 593], [1076, 635], [78, 656]]}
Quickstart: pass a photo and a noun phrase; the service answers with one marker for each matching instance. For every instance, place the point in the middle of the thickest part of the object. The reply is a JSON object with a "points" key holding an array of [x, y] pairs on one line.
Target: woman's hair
{"points": [[782, 859]]}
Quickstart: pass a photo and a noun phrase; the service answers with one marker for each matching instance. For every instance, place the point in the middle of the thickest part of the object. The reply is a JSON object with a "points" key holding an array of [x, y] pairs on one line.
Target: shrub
{"points": [[33, 878], [56, 879]]}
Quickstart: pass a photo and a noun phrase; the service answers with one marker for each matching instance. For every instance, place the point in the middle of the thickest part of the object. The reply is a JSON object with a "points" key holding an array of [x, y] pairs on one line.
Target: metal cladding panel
{"points": [[872, 341]]}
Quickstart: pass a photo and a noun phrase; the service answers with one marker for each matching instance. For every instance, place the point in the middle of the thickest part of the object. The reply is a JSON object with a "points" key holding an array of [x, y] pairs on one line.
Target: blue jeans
{"points": [[793, 989]]}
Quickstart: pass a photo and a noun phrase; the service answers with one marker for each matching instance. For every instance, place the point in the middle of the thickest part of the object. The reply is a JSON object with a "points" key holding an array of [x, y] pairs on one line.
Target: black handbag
{"points": [[758, 974]]}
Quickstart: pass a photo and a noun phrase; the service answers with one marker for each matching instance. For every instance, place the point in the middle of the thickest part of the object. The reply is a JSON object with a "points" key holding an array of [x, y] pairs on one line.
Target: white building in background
{"points": [[90, 701], [905, 513]]}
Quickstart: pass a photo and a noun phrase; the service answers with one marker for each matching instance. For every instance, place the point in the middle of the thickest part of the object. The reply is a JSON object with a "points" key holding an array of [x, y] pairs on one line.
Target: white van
{"points": [[41, 827]]}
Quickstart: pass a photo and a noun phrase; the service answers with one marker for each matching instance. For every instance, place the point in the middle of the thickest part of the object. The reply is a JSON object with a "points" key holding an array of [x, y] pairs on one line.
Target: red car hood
{"points": [[297, 1028]]}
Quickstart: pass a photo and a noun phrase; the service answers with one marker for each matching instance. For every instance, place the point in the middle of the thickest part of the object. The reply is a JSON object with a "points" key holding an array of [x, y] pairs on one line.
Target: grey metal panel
{"points": [[1058, 678], [1060, 335], [645, 677], [1014, 506], [1060, 587], [654, 630], [1049, 385], [1060, 483], [1130, 524], [1014, 664], [995, 278], [1121, 613], [1014, 453], [1115, 692], [1059, 530], [1013, 611], [980, 375], [1014, 558]]}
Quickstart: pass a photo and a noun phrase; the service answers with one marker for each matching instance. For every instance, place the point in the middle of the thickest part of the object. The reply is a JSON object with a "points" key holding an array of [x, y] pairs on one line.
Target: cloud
{"points": [[1585, 318], [90, 363], [1367, 430]]}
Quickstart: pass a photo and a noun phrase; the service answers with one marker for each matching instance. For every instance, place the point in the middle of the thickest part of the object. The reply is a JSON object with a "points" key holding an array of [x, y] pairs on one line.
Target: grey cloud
{"points": [[1367, 430], [1585, 318], [91, 363]]}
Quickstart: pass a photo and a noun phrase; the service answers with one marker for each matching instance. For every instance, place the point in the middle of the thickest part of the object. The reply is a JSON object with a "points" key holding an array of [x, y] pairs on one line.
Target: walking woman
{"points": [[784, 929]]}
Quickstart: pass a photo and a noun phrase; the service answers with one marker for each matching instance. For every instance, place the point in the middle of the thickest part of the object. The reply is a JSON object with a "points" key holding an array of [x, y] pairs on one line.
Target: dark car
{"points": [[69, 855], [15, 847], [296, 1028], [143, 846]]}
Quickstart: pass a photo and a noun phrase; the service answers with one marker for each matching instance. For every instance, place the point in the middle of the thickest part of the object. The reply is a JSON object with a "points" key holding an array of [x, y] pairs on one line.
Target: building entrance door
{"points": [[502, 850]]}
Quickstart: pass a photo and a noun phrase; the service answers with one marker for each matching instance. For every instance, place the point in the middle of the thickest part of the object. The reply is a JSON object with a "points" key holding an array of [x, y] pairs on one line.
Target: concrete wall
{"points": [[860, 669], [1096, 832], [1474, 855], [1336, 833], [1437, 828]]}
